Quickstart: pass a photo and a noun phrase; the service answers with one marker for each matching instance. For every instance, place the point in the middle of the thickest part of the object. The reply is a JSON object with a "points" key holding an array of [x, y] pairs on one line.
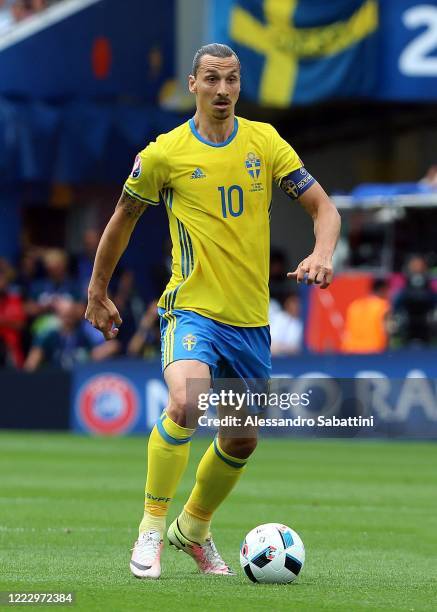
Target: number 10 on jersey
{"points": [[232, 200]]}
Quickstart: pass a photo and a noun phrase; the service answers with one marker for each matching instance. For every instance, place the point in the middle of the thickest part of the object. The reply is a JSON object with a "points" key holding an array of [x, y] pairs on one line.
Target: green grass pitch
{"points": [[367, 513]]}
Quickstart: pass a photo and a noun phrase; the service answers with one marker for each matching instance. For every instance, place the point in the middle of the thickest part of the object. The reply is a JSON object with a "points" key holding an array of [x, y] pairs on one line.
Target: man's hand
{"points": [[315, 269], [103, 315]]}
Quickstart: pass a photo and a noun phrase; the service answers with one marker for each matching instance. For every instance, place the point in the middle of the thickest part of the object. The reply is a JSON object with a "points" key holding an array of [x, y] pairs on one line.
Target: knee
{"points": [[177, 409], [182, 410], [241, 448]]}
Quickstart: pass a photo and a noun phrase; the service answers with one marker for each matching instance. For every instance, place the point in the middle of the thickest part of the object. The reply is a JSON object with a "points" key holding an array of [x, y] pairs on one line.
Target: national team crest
{"points": [[136, 170], [189, 342], [253, 165], [290, 188]]}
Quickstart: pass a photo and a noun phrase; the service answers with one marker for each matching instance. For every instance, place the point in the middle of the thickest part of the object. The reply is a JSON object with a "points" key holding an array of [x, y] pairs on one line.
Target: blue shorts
{"points": [[230, 351]]}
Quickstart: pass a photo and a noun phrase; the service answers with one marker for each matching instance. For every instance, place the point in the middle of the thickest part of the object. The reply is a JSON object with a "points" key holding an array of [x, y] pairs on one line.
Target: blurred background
{"points": [[86, 84]]}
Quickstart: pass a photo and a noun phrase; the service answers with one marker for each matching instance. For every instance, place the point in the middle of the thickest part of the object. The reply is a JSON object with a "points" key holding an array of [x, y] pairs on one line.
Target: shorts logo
{"points": [[136, 170], [107, 404], [253, 165], [189, 342]]}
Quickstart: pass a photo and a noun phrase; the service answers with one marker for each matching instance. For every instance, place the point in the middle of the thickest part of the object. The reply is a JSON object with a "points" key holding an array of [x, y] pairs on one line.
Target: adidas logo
{"points": [[197, 174]]}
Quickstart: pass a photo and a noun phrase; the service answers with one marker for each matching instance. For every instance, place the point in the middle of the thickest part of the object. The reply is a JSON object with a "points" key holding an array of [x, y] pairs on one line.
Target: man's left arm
{"points": [[317, 267], [293, 178]]}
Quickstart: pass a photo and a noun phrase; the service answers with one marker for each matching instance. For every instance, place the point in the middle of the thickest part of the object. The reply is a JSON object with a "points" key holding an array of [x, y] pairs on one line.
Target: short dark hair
{"points": [[214, 49]]}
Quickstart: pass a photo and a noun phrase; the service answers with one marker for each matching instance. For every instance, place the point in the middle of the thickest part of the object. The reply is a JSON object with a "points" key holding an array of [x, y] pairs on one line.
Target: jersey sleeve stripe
{"points": [[138, 197]]}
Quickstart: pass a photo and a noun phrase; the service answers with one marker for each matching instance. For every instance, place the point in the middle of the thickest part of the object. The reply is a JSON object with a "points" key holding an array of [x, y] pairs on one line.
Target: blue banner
{"points": [[300, 51], [407, 64], [396, 391]]}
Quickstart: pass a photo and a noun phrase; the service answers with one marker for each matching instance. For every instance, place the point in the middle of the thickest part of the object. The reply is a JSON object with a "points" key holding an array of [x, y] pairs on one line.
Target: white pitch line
{"points": [[4, 528]]}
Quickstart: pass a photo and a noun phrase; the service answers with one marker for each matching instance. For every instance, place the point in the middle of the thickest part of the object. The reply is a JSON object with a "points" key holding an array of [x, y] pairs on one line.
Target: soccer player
{"points": [[214, 175]]}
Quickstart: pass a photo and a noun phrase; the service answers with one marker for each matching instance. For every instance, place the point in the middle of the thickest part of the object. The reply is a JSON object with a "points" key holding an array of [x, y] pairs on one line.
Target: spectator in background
{"points": [[129, 305], [56, 283], [6, 15], [22, 9], [146, 342], [12, 320], [415, 304], [29, 271], [366, 321], [430, 178], [286, 327], [74, 341]]}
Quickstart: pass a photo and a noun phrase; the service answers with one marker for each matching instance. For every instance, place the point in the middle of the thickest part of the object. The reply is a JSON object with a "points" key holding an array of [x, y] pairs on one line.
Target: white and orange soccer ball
{"points": [[272, 553]]}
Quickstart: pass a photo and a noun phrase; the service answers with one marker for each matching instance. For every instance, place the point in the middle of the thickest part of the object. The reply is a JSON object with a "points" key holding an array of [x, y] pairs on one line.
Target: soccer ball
{"points": [[272, 553]]}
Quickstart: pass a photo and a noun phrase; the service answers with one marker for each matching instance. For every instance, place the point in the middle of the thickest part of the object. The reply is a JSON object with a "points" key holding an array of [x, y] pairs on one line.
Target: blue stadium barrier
{"points": [[35, 401]]}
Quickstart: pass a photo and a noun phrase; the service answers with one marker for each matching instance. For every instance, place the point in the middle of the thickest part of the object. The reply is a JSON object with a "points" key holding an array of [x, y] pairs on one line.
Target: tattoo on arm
{"points": [[132, 207]]}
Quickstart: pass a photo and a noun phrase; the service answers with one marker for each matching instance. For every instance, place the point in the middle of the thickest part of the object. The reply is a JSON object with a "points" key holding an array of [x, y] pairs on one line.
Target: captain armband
{"points": [[296, 183]]}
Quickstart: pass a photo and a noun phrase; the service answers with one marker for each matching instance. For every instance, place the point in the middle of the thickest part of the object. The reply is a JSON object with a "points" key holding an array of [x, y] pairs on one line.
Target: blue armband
{"points": [[296, 183]]}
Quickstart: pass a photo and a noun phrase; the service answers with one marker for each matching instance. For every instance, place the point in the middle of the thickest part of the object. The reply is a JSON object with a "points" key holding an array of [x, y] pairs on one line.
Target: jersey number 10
{"points": [[229, 200]]}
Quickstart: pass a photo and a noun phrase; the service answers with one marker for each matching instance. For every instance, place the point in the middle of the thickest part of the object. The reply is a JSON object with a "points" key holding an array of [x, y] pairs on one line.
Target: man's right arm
{"points": [[101, 312]]}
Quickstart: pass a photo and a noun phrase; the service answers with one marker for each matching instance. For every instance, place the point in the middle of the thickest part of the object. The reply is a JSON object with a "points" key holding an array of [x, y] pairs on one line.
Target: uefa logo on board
{"points": [[107, 404]]}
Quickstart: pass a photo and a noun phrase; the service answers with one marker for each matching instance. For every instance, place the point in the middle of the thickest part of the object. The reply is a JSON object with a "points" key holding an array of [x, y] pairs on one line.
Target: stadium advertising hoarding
{"points": [[387, 395], [301, 51]]}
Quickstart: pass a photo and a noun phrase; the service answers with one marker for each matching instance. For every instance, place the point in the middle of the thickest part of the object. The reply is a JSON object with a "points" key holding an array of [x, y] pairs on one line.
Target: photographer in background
{"points": [[415, 304]]}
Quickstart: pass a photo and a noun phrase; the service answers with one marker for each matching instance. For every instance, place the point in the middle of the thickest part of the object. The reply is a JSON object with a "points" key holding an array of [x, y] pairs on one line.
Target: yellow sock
{"points": [[216, 476], [194, 528], [168, 452]]}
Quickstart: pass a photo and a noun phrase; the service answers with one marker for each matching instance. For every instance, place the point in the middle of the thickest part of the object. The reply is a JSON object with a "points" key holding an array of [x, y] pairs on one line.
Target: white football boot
{"points": [[146, 555]]}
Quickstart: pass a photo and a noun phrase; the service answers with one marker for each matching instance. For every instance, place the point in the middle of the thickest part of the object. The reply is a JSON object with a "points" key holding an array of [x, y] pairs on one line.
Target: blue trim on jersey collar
{"points": [[214, 144]]}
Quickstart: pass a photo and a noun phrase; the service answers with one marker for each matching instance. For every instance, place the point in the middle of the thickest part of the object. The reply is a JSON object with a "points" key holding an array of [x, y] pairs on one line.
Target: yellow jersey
{"points": [[218, 200]]}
